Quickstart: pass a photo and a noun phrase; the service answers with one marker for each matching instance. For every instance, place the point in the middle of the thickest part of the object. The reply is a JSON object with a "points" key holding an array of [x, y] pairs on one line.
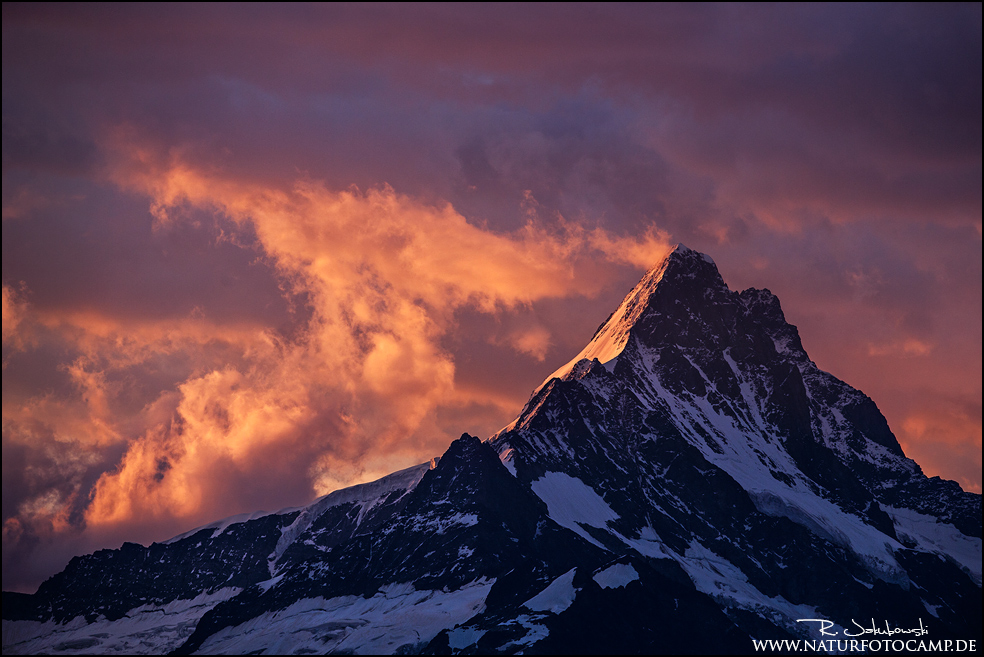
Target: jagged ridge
{"points": [[691, 480]]}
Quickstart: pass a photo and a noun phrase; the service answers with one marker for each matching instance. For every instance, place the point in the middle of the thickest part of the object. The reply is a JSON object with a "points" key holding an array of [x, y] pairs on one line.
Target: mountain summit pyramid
{"points": [[688, 483]]}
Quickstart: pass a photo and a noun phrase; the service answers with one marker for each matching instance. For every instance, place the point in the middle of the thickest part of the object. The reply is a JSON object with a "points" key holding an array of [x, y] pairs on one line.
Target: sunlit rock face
{"points": [[689, 482]]}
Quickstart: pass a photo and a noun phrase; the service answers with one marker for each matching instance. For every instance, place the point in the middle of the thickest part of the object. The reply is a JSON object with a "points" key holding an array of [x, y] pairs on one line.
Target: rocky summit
{"points": [[691, 482]]}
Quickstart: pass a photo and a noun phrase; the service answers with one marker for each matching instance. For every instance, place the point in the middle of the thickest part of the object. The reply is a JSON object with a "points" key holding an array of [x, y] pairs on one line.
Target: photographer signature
{"points": [[862, 630]]}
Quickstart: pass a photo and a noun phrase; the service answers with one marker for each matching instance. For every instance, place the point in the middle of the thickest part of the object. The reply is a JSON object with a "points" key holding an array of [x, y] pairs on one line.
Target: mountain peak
{"points": [[683, 251], [694, 480], [683, 276]]}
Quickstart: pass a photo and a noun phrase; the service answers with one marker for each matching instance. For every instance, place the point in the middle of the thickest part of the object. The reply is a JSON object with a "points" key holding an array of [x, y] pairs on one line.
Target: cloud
{"points": [[384, 275], [937, 438], [534, 341], [910, 347], [372, 229], [357, 387], [14, 312]]}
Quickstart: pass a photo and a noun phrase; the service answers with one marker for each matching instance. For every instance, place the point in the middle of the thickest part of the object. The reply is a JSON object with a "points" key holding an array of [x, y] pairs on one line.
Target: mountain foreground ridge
{"points": [[688, 483]]}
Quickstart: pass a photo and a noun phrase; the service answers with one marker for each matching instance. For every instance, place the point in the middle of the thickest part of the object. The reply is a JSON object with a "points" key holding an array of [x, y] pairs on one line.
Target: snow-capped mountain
{"points": [[689, 482]]}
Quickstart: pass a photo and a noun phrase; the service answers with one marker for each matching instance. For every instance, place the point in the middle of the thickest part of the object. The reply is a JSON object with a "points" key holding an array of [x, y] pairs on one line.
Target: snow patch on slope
{"points": [[616, 576], [648, 544], [937, 537], [716, 576], [462, 637], [750, 453], [148, 629], [508, 459], [534, 632], [776, 506], [557, 597], [397, 616], [572, 503]]}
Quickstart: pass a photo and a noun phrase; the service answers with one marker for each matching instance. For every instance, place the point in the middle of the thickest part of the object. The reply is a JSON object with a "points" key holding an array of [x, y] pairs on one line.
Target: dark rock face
{"points": [[111, 582], [689, 482]]}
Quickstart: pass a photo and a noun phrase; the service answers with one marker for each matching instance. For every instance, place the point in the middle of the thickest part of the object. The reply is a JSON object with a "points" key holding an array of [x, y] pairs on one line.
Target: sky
{"points": [[255, 253]]}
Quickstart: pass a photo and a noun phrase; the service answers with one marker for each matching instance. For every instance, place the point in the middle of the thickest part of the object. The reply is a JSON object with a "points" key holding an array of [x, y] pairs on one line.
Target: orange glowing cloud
{"points": [[14, 312], [907, 347], [938, 440], [355, 392]]}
